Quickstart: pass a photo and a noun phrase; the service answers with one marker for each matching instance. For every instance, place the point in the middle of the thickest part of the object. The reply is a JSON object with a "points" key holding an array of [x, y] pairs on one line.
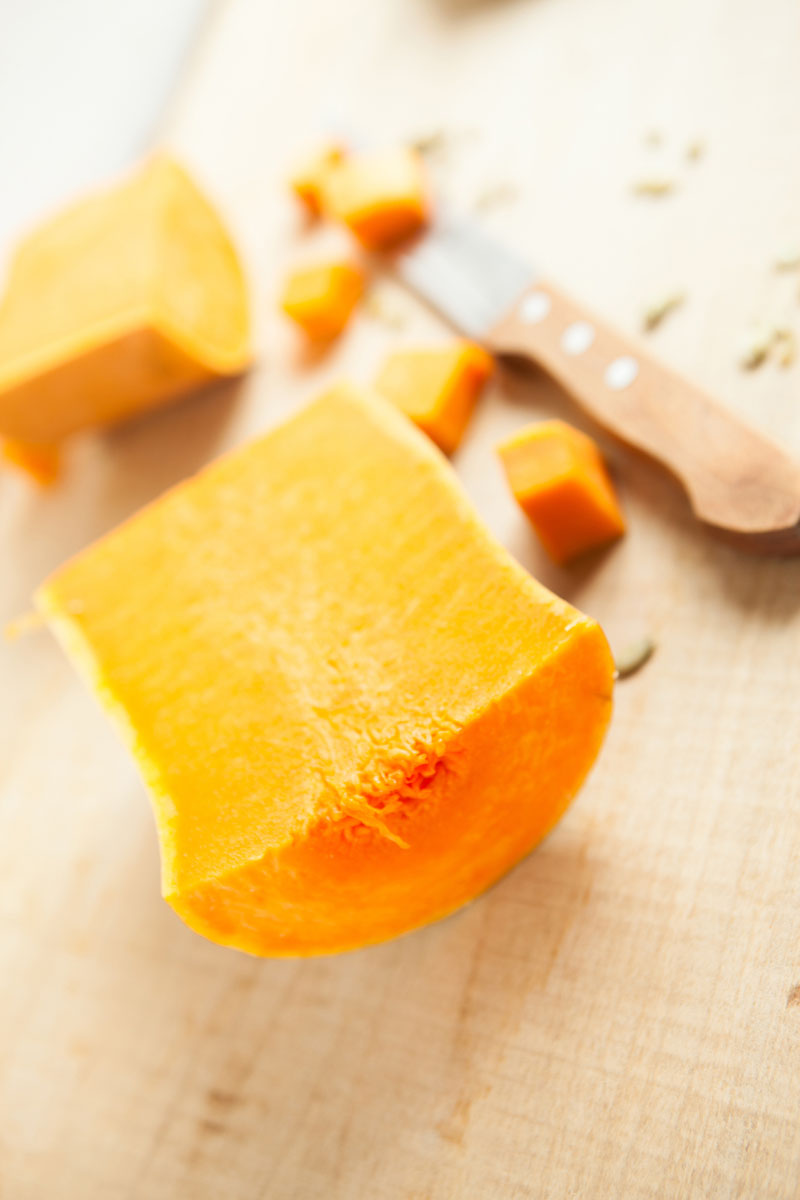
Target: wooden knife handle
{"points": [[736, 479]]}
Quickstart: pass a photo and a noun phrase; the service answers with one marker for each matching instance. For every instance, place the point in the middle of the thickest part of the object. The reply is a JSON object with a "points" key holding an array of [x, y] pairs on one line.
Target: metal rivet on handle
{"points": [[535, 307], [577, 337], [621, 372]]}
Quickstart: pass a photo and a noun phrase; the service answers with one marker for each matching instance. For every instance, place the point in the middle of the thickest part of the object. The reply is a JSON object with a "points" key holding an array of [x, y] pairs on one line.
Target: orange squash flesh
{"points": [[353, 709], [560, 481], [118, 304], [41, 461], [380, 195], [321, 298], [437, 388], [309, 180]]}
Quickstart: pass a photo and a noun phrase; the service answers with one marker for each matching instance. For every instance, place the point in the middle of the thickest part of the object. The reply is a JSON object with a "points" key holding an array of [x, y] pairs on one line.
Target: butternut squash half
{"points": [[353, 709], [117, 305]]}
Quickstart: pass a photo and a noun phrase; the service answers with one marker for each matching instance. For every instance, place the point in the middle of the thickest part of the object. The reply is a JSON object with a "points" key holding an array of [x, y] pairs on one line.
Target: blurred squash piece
{"points": [[320, 298], [381, 195], [353, 709], [309, 179], [40, 461], [125, 300], [437, 387]]}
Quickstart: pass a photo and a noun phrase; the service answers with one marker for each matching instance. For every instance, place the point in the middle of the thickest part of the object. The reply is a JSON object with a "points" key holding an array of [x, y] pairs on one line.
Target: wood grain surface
{"points": [[620, 1017]]}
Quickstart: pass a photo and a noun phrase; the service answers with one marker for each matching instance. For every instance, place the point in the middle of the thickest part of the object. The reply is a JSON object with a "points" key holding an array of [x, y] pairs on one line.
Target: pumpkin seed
{"points": [[375, 306], [788, 259], [653, 185], [431, 144], [440, 143], [765, 340], [655, 313], [784, 346], [634, 656], [757, 346], [495, 196]]}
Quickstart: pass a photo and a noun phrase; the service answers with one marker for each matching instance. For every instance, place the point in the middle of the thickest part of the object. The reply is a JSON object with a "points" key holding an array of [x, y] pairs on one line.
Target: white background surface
{"points": [[83, 88]]}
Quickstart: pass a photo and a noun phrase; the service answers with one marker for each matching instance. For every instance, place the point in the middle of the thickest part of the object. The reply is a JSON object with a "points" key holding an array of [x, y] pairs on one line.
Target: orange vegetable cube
{"points": [[321, 298], [437, 388], [40, 460], [308, 181], [353, 709], [381, 195], [560, 481]]}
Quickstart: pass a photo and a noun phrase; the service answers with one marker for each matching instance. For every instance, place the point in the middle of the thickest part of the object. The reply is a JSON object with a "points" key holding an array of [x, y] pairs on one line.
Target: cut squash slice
{"points": [[115, 306], [353, 709]]}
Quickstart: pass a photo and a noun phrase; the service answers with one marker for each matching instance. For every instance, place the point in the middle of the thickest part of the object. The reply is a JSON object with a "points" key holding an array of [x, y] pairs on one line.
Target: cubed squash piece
{"points": [[117, 305], [560, 481], [353, 709], [321, 298], [309, 179], [41, 461], [437, 387], [380, 195]]}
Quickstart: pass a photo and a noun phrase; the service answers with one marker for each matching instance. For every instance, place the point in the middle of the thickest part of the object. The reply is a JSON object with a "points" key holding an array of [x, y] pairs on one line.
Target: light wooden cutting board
{"points": [[620, 1017]]}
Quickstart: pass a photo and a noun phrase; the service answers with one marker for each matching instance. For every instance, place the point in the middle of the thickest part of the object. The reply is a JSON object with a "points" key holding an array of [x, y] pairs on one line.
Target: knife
{"points": [[740, 484]]}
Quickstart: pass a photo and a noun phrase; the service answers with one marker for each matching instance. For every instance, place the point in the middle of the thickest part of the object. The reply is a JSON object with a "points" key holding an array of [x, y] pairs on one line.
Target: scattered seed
{"points": [[655, 313], [375, 306], [430, 144], [439, 143], [784, 346], [652, 138], [696, 150], [653, 185], [757, 346], [765, 341], [633, 657], [496, 195], [789, 260]]}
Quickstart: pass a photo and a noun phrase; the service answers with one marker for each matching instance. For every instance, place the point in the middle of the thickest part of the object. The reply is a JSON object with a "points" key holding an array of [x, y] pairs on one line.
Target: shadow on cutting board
{"points": [[259, 1054]]}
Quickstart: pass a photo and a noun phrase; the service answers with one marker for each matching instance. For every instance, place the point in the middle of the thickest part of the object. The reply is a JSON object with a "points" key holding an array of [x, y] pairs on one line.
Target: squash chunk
{"points": [[353, 709], [41, 461], [118, 304], [320, 299], [560, 481], [437, 388], [308, 181], [380, 195]]}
